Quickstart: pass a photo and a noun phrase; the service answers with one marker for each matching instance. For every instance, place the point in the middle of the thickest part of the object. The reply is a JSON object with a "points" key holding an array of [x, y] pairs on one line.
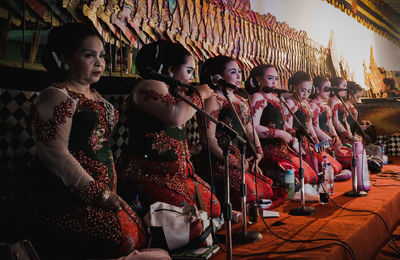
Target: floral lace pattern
{"points": [[46, 130], [258, 105], [339, 106], [353, 110], [153, 95], [97, 138], [92, 192], [269, 133], [168, 98]]}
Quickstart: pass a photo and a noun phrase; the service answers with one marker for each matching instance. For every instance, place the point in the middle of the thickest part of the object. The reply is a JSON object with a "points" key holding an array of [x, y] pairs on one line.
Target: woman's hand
{"points": [[295, 146], [284, 136], [205, 91], [111, 201], [338, 144], [348, 136], [254, 165], [358, 138]]}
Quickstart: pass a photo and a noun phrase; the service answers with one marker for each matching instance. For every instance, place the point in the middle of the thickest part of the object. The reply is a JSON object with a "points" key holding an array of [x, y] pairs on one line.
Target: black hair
{"points": [[353, 88], [335, 82], [212, 67], [64, 39], [297, 78], [390, 82], [159, 54], [317, 82], [251, 83]]}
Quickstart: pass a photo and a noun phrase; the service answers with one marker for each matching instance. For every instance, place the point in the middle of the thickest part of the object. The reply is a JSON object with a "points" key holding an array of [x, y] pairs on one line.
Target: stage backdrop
{"points": [[353, 39]]}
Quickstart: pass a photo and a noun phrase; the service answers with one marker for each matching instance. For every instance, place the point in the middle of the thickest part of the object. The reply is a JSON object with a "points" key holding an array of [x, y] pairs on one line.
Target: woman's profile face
{"points": [[185, 72], [343, 84], [303, 90], [269, 79], [355, 98], [232, 73], [87, 62]]}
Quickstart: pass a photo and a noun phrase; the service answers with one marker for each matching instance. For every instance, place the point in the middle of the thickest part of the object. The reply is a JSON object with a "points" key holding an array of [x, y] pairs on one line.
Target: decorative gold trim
{"points": [[390, 34]]}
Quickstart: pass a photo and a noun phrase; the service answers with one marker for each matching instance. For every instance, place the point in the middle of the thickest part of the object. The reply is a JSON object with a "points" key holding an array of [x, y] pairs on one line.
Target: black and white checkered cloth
{"points": [[392, 143]]}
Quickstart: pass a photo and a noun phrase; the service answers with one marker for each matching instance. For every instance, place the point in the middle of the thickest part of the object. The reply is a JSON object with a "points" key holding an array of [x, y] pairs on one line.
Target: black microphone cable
{"points": [[393, 237], [308, 141], [344, 208], [210, 164], [367, 211], [211, 177], [339, 242]]}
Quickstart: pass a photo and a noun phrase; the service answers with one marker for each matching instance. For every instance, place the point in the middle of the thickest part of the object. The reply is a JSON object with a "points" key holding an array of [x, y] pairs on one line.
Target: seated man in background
{"points": [[390, 88]]}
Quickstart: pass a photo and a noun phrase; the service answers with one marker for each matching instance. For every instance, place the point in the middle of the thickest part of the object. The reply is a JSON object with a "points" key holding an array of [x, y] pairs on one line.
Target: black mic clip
{"points": [[217, 80], [301, 131], [276, 90], [173, 83], [337, 90]]}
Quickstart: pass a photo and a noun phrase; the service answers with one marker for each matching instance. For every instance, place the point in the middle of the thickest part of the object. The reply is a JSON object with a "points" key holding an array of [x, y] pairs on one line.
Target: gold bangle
{"points": [[105, 195]]}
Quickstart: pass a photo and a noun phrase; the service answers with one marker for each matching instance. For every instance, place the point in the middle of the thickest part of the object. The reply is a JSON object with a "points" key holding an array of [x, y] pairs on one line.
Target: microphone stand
{"points": [[224, 142], [354, 192], [245, 236], [302, 131]]}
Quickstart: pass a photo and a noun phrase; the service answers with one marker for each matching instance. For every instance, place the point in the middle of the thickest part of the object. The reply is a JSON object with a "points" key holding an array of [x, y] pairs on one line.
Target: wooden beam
{"points": [[35, 42]]}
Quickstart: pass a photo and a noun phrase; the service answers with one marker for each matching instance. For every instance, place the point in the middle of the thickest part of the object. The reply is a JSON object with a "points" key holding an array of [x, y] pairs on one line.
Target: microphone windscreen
{"points": [[215, 79]]}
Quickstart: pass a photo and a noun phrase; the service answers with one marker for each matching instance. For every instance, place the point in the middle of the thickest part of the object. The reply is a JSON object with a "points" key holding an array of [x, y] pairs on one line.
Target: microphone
{"points": [[218, 80], [336, 89], [152, 74], [276, 90]]}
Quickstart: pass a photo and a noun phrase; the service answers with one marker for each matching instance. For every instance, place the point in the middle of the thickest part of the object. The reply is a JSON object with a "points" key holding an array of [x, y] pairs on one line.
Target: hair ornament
{"points": [[56, 59]]}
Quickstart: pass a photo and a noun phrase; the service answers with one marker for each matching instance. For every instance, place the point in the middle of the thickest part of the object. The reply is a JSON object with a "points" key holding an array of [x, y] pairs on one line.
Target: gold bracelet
{"points": [[105, 195]]}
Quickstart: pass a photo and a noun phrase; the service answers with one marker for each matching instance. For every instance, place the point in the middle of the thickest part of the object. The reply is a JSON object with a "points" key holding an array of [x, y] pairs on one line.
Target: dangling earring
{"points": [[170, 74], [66, 67]]}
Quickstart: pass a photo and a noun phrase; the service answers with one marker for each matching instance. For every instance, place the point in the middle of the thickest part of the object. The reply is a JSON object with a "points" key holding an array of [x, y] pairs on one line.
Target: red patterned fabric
{"points": [[258, 105], [353, 111], [72, 209], [264, 184], [152, 192], [92, 192], [168, 99], [279, 154], [344, 156], [153, 95], [132, 236], [264, 187], [269, 133], [337, 167]]}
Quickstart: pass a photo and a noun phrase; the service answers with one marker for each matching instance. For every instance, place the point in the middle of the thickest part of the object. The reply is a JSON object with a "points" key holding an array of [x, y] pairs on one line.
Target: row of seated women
{"points": [[79, 209]]}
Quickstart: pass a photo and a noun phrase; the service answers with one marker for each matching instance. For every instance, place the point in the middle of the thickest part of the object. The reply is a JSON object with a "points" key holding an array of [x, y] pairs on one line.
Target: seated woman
{"points": [[269, 116], [301, 84], [219, 107], [322, 121], [79, 210], [157, 162], [354, 93], [339, 112]]}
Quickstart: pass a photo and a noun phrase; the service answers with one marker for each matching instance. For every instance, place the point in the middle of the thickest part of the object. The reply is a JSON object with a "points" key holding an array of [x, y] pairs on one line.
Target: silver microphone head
{"points": [[215, 79]]}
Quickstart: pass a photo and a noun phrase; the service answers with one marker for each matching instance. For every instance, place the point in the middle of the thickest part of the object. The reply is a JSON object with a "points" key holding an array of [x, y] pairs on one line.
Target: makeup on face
{"points": [[232, 74]]}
